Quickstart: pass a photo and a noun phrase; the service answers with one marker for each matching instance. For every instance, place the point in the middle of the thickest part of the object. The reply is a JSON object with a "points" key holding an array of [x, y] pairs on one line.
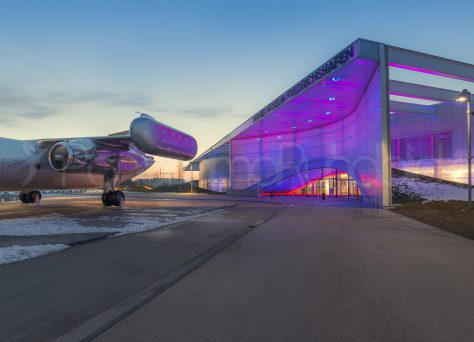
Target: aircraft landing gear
{"points": [[115, 198], [110, 196], [31, 197]]}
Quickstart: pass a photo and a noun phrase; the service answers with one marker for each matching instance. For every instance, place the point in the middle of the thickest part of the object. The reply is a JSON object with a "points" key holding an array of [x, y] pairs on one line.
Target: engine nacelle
{"points": [[72, 155], [157, 139]]}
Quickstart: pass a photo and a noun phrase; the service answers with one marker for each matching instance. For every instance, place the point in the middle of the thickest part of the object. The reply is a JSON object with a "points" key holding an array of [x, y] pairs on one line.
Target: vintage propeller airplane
{"points": [[89, 162]]}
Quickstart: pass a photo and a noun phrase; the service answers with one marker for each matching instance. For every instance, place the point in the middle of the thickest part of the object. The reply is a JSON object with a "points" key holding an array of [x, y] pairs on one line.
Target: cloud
{"points": [[22, 103], [198, 112], [205, 112], [17, 103], [101, 98], [38, 113]]}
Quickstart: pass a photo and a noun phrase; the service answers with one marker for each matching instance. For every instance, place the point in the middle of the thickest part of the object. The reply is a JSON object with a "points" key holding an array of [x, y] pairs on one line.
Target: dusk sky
{"points": [[81, 68]]}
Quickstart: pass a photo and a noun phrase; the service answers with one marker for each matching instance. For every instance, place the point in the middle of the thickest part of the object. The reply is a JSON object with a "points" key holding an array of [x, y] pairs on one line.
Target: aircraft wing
{"points": [[112, 142], [147, 134]]}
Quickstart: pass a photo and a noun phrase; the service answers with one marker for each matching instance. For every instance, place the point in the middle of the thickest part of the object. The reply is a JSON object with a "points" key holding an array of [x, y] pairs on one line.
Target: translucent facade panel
{"points": [[214, 174], [425, 146], [353, 143], [433, 145]]}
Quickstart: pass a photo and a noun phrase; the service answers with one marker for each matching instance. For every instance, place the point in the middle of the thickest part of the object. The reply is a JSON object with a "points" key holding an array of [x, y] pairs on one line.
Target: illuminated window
{"points": [[444, 145], [426, 146]]}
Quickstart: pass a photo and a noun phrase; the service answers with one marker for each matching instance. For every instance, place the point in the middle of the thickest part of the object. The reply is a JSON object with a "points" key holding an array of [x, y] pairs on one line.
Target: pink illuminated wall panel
{"points": [[448, 143], [353, 144]]}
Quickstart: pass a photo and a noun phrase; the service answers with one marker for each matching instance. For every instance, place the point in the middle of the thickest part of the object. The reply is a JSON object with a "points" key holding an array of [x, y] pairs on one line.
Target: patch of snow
{"points": [[429, 191], [58, 224], [19, 253]]}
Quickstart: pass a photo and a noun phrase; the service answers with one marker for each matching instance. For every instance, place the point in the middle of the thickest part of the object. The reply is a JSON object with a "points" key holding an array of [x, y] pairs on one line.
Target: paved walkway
{"points": [[46, 297], [320, 274]]}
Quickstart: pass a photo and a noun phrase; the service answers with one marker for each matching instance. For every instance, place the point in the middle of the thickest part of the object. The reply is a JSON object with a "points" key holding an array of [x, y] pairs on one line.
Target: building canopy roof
{"points": [[332, 91]]}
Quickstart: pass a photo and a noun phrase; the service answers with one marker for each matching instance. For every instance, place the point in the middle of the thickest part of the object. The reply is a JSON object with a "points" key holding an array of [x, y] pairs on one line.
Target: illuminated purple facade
{"points": [[432, 144], [342, 120]]}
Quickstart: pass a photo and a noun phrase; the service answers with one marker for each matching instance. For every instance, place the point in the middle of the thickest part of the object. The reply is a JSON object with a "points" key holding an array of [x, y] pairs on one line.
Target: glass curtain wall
{"points": [[328, 181]]}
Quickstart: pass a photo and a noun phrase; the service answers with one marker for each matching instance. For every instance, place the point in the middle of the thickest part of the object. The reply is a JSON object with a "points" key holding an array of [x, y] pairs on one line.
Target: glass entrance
{"points": [[316, 182]]}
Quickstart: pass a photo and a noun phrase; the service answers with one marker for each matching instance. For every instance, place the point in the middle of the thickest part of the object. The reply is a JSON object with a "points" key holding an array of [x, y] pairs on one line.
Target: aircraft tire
{"points": [[23, 197], [106, 199], [30, 197], [117, 196]]}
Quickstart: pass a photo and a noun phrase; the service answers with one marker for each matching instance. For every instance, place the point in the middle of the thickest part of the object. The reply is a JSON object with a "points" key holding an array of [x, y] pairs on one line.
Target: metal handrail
{"points": [[358, 204]]}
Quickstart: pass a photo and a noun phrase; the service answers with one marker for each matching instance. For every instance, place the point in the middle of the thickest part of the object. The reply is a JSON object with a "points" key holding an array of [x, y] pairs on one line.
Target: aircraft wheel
{"points": [[23, 197], [106, 197], [30, 197], [117, 197]]}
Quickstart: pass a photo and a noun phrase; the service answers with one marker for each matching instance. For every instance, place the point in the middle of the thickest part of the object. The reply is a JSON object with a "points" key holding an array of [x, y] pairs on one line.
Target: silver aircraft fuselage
{"points": [[90, 162], [24, 166]]}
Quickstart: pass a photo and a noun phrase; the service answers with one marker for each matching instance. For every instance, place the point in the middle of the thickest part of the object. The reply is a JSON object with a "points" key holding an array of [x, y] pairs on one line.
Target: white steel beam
{"points": [[423, 62], [422, 91], [410, 108]]}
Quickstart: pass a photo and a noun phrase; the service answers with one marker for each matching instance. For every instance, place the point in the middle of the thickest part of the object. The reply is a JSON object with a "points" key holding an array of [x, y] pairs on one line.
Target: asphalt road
{"points": [[45, 298], [302, 273], [320, 274]]}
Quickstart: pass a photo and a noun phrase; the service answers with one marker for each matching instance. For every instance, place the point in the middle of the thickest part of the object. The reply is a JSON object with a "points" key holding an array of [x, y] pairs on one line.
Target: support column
{"points": [[229, 183], [261, 163], [385, 111]]}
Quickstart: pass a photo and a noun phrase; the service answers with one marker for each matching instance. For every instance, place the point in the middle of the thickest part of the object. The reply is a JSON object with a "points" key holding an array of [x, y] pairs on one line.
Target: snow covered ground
{"points": [[427, 190], [130, 222], [58, 224], [19, 253]]}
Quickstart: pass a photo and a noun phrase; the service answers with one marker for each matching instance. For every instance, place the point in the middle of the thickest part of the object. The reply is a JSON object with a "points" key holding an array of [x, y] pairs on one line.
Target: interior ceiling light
{"points": [[331, 98], [328, 113], [279, 137], [335, 78], [293, 127], [310, 120]]}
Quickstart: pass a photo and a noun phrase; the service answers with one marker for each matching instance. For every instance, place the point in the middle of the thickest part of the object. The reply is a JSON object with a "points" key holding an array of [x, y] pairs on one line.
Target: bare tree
{"points": [[180, 174]]}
